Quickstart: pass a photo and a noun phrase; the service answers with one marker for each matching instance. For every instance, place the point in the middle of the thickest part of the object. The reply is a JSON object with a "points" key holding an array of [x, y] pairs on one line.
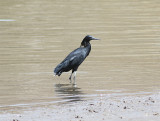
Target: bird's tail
{"points": [[58, 70]]}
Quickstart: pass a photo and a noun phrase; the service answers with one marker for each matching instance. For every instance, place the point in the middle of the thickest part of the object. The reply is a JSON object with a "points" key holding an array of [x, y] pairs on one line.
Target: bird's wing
{"points": [[76, 53], [72, 58], [72, 61], [76, 59]]}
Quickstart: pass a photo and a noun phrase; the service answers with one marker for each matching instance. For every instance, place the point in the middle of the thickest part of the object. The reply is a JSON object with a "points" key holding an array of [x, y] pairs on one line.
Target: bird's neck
{"points": [[88, 48]]}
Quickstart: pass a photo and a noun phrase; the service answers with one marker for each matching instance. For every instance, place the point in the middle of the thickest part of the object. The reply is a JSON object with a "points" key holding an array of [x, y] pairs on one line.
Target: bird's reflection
{"points": [[69, 92]]}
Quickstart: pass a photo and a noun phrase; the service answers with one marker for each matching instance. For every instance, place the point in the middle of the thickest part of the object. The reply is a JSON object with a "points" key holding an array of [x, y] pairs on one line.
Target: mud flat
{"points": [[122, 108]]}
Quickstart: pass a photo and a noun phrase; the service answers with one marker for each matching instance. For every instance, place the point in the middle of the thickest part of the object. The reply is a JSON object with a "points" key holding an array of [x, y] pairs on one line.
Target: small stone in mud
{"points": [[95, 111], [78, 117], [151, 99], [91, 104], [89, 110], [156, 114]]}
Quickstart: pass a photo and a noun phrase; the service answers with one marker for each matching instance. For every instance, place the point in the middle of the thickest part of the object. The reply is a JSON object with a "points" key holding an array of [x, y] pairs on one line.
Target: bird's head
{"points": [[87, 39]]}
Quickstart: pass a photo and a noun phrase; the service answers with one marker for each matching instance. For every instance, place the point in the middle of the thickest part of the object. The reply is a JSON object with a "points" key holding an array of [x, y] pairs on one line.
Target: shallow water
{"points": [[36, 35]]}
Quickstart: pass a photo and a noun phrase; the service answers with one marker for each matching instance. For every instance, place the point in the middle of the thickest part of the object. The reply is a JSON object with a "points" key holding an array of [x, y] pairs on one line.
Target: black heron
{"points": [[75, 58]]}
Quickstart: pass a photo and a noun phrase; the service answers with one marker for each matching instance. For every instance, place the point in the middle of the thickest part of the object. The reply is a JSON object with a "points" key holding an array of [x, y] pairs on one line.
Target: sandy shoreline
{"points": [[123, 108]]}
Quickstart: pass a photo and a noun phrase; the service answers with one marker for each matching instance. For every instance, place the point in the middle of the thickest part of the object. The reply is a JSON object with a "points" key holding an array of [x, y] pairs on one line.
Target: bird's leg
{"points": [[70, 78], [74, 78]]}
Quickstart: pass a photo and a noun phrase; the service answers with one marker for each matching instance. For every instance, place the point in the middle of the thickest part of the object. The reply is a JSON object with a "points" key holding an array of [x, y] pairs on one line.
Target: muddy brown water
{"points": [[36, 35]]}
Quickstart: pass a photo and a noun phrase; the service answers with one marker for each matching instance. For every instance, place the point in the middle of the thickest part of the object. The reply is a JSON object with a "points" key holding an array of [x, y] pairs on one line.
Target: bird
{"points": [[75, 58]]}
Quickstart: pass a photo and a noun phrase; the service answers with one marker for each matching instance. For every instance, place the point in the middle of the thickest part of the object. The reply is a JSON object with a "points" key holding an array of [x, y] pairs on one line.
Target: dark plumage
{"points": [[75, 58]]}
